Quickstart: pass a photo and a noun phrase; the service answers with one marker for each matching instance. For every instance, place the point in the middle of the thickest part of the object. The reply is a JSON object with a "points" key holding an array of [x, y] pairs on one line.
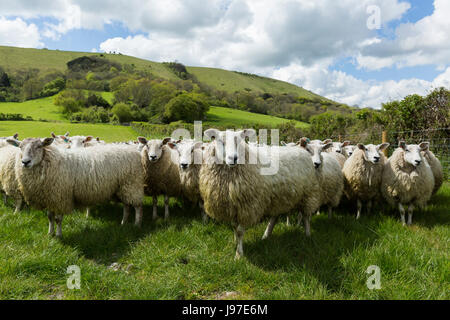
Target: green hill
{"points": [[12, 58]]}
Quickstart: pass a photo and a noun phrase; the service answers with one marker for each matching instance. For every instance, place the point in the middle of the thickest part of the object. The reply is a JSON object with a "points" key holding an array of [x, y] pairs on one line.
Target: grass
{"points": [[109, 133], [185, 259], [227, 116]]}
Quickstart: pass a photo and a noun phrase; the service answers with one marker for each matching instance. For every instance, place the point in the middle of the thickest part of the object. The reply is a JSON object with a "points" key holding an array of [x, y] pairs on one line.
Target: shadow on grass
{"points": [[291, 251], [102, 238]]}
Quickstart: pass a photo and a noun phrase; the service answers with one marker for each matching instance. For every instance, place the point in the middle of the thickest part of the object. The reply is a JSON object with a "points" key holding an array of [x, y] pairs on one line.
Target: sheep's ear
{"points": [[212, 134], [178, 141], [328, 145], [283, 143], [98, 139], [166, 140], [346, 143], [383, 146], [67, 134], [303, 142], [142, 140], [13, 142], [402, 144], [424, 146], [172, 145], [16, 136], [88, 138], [327, 141], [47, 142], [198, 145], [361, 146], [53, 135]]}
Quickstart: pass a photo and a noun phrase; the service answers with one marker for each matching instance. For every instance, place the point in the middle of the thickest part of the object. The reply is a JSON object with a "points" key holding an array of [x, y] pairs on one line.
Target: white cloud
{"points": [[18, 33]]}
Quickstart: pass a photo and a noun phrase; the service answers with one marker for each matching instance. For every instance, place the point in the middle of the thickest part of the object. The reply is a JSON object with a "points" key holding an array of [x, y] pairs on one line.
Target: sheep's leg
{"points": [[59, 219], [269, 229], [202, 209], [155, 207], [410, 214], [299, 218], [330, 212], [239, 236], [288, 223], [306, 219], [139, 213], [19, 203], [402, 213], [359, 206], [369, 207], [51, 223], [166, 207], [88, 212], [126, 213]]}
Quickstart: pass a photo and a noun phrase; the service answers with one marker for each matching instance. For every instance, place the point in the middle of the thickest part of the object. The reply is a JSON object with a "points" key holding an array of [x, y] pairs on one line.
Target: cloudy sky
{"points": [[359, 52]]}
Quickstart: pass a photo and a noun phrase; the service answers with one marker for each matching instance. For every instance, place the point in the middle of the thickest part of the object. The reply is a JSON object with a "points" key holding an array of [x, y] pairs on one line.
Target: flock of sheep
{"points": [[61, 173]]}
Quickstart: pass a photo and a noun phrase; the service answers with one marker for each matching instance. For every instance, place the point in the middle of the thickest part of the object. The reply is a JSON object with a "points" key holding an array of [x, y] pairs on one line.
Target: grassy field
{"points": [[185, 259], [45, 60], [109, 133], [224, 116]]}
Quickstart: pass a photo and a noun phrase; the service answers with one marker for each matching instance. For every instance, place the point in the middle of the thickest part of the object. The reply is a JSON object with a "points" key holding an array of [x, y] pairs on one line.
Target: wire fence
{"points": [[438, 138]]}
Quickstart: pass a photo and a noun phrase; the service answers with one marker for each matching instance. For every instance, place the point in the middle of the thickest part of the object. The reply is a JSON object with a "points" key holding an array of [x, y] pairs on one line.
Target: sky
{"points": [[359, 52]]}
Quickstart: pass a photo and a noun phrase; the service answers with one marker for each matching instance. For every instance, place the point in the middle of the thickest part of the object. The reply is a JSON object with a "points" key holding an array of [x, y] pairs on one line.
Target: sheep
{"points": [[61, 179], [3, 140], [8, 181], [190, 160], [348, 150], [161, 173], [239, 194], [362, 174], [328, 173], [435, 166], [407, 179], [62, 141]]}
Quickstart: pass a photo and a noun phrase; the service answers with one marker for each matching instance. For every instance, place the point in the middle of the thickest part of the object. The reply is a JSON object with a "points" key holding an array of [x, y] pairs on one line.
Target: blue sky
{"points": [[324, 46]]}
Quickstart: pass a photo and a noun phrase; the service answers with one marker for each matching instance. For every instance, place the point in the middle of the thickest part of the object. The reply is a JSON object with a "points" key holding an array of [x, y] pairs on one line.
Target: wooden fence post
{"points": [[384, 139], [340, 138]]}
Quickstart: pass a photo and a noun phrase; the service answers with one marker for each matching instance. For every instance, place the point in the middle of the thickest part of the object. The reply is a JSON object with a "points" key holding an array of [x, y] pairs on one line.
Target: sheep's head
{"points": [[154, 147], [338, 146], [348, 150], [189, 152], [372, 152], [79, 141], [412, 152], [315, 150], [32, 150], [230, 146]]}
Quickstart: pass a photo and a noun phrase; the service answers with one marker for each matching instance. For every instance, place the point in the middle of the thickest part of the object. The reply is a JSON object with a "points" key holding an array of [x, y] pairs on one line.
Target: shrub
{"points": [[187, 107], [123, 112]]}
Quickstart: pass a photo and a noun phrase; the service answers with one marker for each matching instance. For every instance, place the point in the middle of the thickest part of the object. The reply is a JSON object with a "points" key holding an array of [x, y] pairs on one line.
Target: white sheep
{"points": [[362, 175], [328, 173], [190, 160], [235, 191], [436, 168], [8, 181], [161, 172], [61, 179], [407, 179], [335, 150], [348, 150]]}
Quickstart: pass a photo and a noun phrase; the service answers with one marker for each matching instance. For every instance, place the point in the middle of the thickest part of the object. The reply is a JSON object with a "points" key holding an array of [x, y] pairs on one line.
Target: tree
{"points": [[186, 106], [123, 112]]}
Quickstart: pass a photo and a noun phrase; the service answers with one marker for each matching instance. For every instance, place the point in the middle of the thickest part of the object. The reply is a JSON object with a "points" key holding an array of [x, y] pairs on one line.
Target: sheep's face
{"points": [[348, 150], [79, 141], [154, 147], [33, 151], [189, 152], [412, 152], [338, 146], [230, 146], [315, 150], [372, 152]]}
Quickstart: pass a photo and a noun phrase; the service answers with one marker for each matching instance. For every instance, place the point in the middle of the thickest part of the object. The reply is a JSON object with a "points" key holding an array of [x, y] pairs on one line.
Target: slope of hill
{"points": [[12, 58]]}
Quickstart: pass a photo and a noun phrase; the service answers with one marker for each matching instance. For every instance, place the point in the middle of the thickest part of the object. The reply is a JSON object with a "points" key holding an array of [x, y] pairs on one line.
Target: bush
{"points": [[187, 107], [53, 87], [123, 112], [96, 100], [92, 115]]}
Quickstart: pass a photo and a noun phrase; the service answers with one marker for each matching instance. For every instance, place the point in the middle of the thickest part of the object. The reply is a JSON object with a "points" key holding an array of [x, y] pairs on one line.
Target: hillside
{"points": [[12, 58]]}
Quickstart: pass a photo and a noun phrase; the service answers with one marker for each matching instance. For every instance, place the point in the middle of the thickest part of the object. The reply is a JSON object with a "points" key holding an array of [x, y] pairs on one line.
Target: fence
{"points": [[439, 142]]}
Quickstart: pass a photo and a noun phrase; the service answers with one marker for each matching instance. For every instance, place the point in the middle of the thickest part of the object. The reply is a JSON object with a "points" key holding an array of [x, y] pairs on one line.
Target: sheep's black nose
{"points": [[153, 158], [183, 165], [338, 151], [376, 159], [316, 164], [418, 162], [235, 158], [26, 162]]}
